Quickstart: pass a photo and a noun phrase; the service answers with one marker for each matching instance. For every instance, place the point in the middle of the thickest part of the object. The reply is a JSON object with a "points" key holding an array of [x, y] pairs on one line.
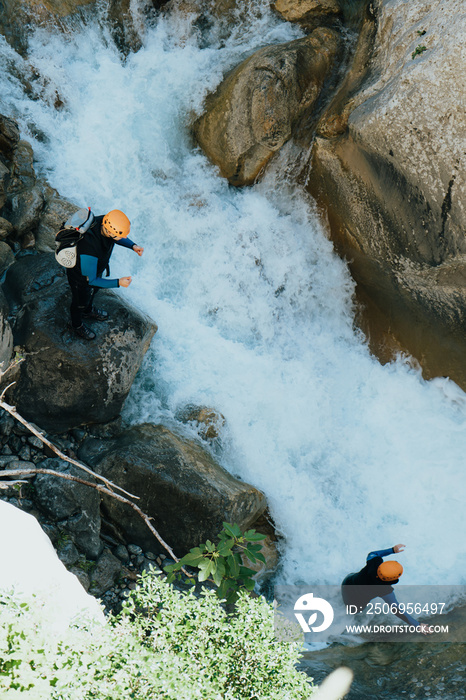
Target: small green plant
{"points": [[222, 564], [418, 51], [85, 565], [421, 32], [62, 539]]}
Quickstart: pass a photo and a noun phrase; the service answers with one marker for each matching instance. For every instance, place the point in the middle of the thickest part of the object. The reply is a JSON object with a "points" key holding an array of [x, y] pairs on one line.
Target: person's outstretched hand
{"points": [[124, 281], [138, 249], [398, 548]]}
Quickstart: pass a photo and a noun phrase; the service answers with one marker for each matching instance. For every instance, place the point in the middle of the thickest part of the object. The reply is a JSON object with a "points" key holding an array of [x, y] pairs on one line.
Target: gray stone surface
{"points": [[394, 183], [78, 506], [105, 573], [180, 485], [64, 381]]}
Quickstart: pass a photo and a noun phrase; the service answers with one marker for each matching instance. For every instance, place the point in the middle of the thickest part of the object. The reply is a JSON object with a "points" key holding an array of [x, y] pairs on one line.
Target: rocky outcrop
{"points": [[254, 110], [31, 211], [55, 211], [394, 183], [180, 485], [19, 17], [65, 381], [74, 506], [307, 13]]}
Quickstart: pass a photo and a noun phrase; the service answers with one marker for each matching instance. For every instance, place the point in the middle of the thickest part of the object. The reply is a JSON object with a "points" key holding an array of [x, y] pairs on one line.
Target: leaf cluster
{"points": [[165, 645], [222, 563], [418, 51]]}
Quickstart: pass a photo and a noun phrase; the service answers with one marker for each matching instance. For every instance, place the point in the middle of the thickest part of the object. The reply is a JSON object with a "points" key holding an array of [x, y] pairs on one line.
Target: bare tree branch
{"points": [[7, 473], [108, 489], [12, 411]]}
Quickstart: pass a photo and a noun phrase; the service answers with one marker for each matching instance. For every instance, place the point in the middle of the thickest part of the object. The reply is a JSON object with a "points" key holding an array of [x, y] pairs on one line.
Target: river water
{"points": [[255, 310]]}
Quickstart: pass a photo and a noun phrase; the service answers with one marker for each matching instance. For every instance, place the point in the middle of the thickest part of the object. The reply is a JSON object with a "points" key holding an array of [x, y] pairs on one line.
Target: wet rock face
{"points": [[394, 183], [180, 485], [19, 17], [65, 381], [253, 112]]}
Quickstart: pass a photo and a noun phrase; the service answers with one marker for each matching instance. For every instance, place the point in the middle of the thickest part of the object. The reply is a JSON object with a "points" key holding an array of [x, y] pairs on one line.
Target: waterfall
{"points": [[254, 308]]}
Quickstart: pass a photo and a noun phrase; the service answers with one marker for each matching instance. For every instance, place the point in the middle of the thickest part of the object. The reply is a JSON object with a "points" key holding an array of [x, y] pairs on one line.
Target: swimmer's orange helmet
{"points": [[389, 571]]}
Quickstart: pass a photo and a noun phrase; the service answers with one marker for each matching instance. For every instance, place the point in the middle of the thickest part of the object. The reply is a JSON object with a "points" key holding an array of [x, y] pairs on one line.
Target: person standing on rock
{"points": [[93, 257], [376, 580]]}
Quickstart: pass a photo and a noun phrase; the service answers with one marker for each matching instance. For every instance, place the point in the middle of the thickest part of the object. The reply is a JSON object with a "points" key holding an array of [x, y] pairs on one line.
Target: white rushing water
{"points": [[254, 309]]}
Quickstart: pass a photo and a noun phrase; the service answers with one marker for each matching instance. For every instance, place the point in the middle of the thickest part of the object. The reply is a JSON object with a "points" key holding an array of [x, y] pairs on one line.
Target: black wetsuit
{"points": [[85, 279], [360, 588]]}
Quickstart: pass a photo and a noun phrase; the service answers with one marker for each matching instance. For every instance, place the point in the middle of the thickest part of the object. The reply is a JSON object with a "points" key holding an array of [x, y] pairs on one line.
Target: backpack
{"points": [[69, 235]]}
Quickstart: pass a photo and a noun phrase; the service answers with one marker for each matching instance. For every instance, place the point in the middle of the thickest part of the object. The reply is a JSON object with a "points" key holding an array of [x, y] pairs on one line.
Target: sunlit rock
{"points": [[30, 567], [253, 111], [65, 381], [208, 421], [180, 485], [394, 183], [306, 12]]}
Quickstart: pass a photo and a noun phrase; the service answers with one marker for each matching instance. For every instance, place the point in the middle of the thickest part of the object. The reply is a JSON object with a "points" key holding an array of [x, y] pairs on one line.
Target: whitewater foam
{"points": [[254, 309]]}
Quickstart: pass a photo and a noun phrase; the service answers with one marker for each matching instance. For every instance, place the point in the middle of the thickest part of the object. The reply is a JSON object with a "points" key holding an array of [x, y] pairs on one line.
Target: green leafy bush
{"points": [[222, 564], [166, 644]]}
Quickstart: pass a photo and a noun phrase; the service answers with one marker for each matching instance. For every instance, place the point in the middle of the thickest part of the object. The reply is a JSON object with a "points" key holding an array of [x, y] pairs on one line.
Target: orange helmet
{"points": [[116, 224], [389, 571]]}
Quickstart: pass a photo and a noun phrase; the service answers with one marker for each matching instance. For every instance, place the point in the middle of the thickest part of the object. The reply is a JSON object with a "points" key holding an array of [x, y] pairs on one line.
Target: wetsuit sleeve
{"points": [[89, 270], [125, 242], [380, 553], [390, 598]]}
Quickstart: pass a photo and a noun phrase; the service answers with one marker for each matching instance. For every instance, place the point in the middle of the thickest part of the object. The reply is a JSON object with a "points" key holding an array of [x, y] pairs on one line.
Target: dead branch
{"points": [[13, 412], [102, 489], [108, 489]]}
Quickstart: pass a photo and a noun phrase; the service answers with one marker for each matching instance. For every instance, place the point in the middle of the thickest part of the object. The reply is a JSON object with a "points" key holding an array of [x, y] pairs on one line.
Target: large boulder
{"points": [[307, 13], [394, 181], [254, 110], [65, 381], [180, 486]]}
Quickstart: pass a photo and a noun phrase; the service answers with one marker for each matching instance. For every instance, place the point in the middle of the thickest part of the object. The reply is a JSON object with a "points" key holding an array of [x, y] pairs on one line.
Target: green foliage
{"points": [[62, 539], [84, 564], [166, 645], [222, 564], [418, 51]]}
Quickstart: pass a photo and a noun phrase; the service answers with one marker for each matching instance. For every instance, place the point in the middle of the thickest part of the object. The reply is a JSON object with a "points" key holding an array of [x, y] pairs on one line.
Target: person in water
{"points": [[376, 580], [93, 257]]}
